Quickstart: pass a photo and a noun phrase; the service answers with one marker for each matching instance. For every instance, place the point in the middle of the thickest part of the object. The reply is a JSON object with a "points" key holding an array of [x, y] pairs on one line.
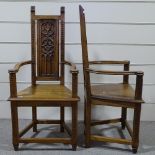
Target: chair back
{"points": [[47, 43], [84, 52]]}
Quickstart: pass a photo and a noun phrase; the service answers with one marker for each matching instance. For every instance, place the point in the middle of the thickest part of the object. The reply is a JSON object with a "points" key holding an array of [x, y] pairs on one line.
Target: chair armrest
{"points": [[18, 65], [139, 78], [74, 73], [72, 66], [108, 72], [109, 62], [12, 76], [126, 64]]}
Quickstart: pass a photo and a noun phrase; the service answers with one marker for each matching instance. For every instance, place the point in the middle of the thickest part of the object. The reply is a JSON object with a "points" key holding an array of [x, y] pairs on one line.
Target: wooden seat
{"points": [[110, 94], [115, 90], [46, 91], [47, 65]]}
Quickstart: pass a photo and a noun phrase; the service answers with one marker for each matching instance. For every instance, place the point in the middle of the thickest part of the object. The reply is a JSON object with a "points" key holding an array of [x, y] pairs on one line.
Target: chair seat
{"points": [[124, 91], [46, 92]]}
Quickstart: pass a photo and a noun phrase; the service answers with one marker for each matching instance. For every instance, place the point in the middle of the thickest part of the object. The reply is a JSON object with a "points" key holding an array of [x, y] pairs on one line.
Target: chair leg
{"points": [[15, 129], [87, 125], [62, 115], [136, 125], [123, 117], [84, 115], [34, 118], [74, 126]]}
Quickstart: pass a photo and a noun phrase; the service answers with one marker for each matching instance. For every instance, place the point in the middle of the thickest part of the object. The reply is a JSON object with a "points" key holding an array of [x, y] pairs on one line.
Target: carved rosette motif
{"points": [[47, 39]]}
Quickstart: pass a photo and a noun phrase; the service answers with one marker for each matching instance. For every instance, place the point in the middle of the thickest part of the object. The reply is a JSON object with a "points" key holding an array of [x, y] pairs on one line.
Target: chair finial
{"points": [[32, 8], [62, 10]]}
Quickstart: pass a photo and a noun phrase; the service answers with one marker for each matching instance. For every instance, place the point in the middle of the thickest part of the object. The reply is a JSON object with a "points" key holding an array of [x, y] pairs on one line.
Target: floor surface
{"points": [[147, 141]]}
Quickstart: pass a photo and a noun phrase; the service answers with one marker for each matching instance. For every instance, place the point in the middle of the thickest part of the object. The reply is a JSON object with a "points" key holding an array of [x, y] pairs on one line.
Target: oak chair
{"points": [[110, 94], [47, 64]]}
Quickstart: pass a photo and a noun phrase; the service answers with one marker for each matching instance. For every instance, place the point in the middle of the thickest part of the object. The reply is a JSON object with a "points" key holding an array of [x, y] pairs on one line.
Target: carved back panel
{"points": [[47, 46]]}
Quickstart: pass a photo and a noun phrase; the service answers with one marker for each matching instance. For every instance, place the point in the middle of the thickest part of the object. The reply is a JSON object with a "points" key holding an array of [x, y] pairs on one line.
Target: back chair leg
{"points": [[74, 126], [123, 117], [84, 116], [62, 115], [88, 125], [136, 125], [34, 118], [15, 129]]}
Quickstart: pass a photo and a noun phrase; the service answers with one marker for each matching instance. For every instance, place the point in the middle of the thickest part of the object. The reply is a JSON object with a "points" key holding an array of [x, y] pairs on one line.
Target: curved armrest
{"points": [[109, 62], [18, 65], [12, 73], [108, 72], [73, 66]]}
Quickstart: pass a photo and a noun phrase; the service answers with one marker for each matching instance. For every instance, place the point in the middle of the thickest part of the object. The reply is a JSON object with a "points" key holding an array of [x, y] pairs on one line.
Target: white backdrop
{"points": [[120, 30]]}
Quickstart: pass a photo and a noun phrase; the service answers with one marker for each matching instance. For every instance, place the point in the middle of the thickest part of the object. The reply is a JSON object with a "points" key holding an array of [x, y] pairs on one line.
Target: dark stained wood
{"points": [[33, 46], [123, 117], [110, 62], [48, 49], [62, 43], [34, 118], [48, 121], [116, 120], [15, 131], [47, 63], [109, 72], [118, 95], [62, 117]]}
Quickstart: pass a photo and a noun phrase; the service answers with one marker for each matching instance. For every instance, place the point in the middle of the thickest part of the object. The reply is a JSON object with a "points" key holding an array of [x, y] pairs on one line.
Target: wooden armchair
{"points": [[110, 94], [47, 64]]}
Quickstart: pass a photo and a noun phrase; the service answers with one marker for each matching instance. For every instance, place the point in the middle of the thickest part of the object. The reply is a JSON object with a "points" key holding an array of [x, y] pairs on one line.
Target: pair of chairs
{"points": [[47, 64]]}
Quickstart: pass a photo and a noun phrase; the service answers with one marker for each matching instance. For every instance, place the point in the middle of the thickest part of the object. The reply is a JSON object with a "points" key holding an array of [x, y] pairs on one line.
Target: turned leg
{"points": [[15, 129], [123, 117], [34, 118], [87, 125], [74, 126], [62, 115], [136, 125]]}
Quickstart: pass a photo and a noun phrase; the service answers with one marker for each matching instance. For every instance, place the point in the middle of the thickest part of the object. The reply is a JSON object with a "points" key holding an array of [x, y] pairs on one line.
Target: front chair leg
{"points": [[16, 147], [34, 118], [15, 129], [87, 125], [74, 126], [136, 125], [62, 115]]}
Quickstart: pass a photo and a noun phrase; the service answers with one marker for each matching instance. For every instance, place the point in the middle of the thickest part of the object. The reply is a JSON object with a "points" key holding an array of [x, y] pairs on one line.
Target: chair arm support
{"points": [[13, 84], [139, 86], [139, 78], [109, 62], [19, 65], [12, 76], [108, 72], [74, 73], [126, 64]]}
